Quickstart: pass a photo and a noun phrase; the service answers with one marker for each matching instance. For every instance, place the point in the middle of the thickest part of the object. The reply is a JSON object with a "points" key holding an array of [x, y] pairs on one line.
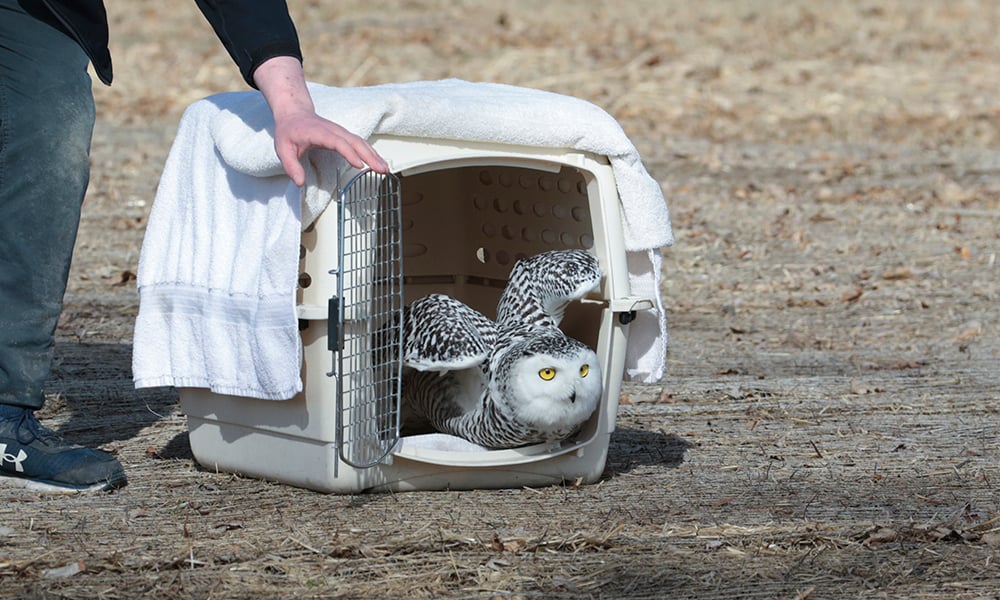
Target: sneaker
{"points": [[37, 458]]}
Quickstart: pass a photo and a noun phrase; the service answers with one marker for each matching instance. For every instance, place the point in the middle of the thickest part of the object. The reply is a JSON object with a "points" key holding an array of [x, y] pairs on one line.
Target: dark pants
{"points": [[46, 122]]}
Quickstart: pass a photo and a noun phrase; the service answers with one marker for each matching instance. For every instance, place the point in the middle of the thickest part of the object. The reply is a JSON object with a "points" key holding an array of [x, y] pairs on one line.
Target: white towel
{"points": [[482, 112], [458, 110], [218, 268], [218, 273]]}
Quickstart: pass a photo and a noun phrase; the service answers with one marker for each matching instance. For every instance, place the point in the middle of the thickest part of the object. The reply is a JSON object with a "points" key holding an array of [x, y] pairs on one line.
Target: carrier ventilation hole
{"points": [[587, 241], [502, 257], [414, 198], [302, 251], [559, 211], [506, 180], [489, 230], [411, 250], [500, 205], [579, 213], [540, 209], [565, 185], [507, 232], [485, 177], [480, 202], [546, 183], [305, 280], [526, 181]]}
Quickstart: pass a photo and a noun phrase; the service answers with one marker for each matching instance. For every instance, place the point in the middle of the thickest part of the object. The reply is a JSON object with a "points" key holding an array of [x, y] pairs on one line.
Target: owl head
{"points": [[550, 382]]}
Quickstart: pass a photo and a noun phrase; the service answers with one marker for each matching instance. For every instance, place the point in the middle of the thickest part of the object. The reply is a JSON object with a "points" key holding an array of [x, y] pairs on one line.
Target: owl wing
{"points": [[442, 334], [540, 287]]}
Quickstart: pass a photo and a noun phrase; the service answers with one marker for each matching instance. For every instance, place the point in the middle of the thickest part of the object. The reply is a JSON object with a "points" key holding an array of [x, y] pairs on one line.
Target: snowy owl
{"points": [[513, 382]]}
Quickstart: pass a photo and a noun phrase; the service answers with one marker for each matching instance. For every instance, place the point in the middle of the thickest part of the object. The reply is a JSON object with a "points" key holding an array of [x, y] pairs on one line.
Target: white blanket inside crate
{"points": [[218, 267]]}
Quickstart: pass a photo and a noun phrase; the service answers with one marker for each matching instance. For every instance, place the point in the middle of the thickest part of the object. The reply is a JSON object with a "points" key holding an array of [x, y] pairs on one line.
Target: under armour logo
{"points": [[14, 460]]}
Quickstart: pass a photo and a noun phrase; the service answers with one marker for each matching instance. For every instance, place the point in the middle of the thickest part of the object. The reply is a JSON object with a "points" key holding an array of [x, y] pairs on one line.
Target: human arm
{"points": [[261, 38]]}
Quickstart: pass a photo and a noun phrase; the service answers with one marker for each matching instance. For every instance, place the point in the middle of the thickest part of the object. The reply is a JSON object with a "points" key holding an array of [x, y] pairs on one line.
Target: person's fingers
{"points": [[292, 164], [348, 149], [355, 149], [292, 142], [371, 157]]}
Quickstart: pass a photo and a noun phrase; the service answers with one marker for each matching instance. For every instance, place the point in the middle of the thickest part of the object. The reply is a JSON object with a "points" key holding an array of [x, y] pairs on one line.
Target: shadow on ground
{"points": [[631, 448], [90, 397]]}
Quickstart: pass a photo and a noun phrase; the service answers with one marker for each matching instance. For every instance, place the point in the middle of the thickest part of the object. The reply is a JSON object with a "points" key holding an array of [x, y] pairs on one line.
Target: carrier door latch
{"points": [[333, 325]]}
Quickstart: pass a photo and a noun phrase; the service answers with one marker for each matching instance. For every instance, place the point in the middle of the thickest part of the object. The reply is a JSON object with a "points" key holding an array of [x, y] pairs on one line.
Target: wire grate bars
{"points": [[366, 360]]}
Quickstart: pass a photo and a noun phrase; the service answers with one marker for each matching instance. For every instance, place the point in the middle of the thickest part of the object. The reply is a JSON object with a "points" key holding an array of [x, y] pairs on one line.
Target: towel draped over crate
{"points": [[219, 263]]}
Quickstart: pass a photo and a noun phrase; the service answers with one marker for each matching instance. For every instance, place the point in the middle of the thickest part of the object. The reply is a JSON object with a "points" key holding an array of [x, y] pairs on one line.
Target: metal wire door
{"points": [[369, 300]]}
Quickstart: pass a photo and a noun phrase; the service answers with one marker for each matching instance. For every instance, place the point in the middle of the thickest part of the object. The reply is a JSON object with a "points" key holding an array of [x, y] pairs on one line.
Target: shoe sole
{"points": [[48, 487]]}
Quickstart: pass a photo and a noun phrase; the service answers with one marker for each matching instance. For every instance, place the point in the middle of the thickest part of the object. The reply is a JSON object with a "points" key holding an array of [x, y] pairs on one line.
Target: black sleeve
{"points": [[252, 31]]}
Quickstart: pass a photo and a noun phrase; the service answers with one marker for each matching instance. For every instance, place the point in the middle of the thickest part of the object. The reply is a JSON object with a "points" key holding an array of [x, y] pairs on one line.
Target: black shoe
{"points": [[39, 459]]}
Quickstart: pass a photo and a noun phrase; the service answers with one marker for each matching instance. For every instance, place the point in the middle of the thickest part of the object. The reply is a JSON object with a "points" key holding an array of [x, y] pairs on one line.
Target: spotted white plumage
{"points": [[442, 334], [511, 383]]}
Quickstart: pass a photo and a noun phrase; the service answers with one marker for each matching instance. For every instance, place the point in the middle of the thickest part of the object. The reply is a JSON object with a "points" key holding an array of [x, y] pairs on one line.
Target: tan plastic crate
{"points": [[469, 210]]}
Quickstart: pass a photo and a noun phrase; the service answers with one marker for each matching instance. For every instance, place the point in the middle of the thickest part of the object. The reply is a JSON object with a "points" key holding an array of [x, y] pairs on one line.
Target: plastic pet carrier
{"points": [[453, 220]]}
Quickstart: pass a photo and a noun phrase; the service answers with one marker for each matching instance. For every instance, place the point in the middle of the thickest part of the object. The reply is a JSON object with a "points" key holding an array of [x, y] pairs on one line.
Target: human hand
{"points": [[297, 127], [297, 132]]}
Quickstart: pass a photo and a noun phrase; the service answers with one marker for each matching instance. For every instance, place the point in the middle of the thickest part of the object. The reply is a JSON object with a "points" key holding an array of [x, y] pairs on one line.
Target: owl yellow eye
{"points": [[548, 374], [584, 370]]}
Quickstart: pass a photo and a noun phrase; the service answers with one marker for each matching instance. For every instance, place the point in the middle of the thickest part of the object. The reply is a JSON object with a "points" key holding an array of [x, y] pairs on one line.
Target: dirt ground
{"points": [[828, 426]]}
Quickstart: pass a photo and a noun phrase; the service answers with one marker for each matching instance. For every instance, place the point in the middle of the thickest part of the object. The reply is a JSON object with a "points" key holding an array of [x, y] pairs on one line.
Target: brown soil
{"points": [[828, 426]]}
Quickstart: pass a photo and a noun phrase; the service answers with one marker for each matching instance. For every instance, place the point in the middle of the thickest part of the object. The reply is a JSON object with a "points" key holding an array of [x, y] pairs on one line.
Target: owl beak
{"points": [[572, 397]]}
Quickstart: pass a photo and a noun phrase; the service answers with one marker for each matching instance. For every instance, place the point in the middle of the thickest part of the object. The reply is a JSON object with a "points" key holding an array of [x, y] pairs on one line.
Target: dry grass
{"points": [[828, 427]]}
